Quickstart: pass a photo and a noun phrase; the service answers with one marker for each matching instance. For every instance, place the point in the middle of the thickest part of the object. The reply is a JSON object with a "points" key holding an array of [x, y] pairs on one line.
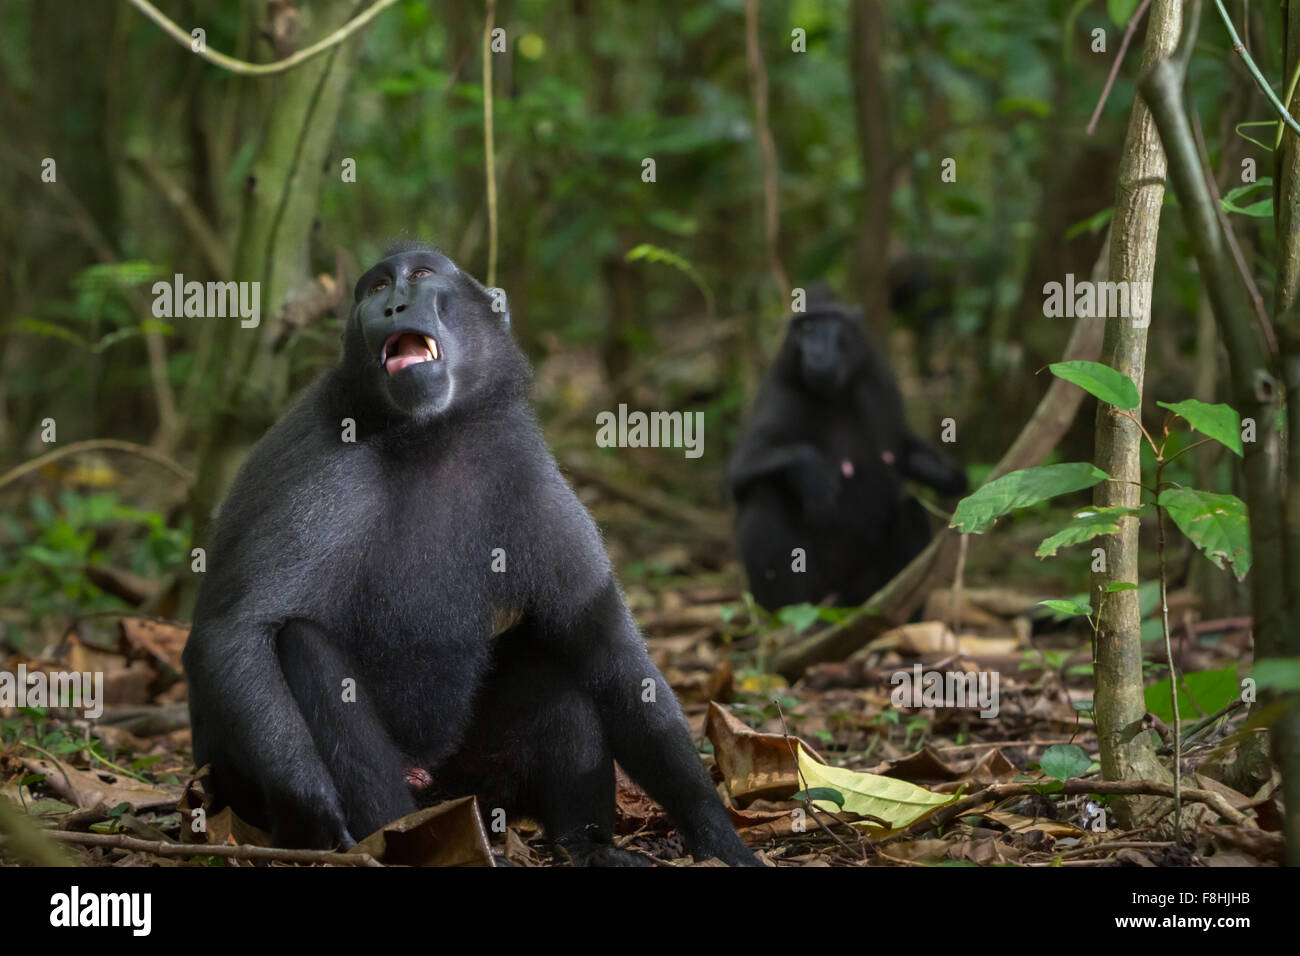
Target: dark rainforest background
{"points": [[925, 366]]}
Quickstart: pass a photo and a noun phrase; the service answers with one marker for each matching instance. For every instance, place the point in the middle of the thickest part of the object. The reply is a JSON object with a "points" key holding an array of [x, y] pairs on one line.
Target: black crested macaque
{"points": [[404, 594], [821, 464]]}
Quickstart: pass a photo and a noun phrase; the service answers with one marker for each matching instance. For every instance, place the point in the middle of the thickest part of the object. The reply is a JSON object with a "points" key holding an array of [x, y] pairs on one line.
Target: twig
{"points": [[1003, 791], [104, 251], [260, 69], [489, 144], [1116, 845], [1240, 49], [1114, 67], [191, 217], [99, 444], [803, 782], [954, 604], [766, 150], [1239, 258], [120, 841], [1209, 721], [1169, 654]]}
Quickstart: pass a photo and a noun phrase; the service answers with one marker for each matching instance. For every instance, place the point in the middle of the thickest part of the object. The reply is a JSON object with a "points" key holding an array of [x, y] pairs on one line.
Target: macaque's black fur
{"points": [[821, 465], [372, 561]]}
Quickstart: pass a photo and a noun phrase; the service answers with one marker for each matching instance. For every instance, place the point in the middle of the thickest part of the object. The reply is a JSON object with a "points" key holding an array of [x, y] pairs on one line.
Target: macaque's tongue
{"points": [[408, 348]]}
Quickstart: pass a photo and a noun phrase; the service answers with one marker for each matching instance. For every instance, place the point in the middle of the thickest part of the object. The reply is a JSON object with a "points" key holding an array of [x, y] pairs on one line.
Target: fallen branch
{"points": [[1004, 791], [120, 841]]}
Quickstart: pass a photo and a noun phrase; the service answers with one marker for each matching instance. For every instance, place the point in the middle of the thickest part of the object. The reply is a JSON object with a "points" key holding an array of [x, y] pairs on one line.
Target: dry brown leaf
{"points": [[157, 639], [753, 765], [449, 834], [926, 639], [1258, 843], [916, 851], [85, 788]]}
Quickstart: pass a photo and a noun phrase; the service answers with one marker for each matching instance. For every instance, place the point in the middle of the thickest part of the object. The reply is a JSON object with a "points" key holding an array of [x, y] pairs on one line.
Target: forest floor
{"points": [[837, 769]]}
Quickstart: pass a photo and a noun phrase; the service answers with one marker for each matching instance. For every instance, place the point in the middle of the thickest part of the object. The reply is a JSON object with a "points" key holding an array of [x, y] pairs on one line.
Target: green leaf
{"points": [[1065, 761], [1262, 209], [50, 330], [1087, 524], [1034, 105], [799, 616], [1020, 489], [1121, 11], [1217, 524], [1116, 586], [657, 254], [833, 615], [820, 793], [1211, 691], [1068, 608], [1280, 674], [1102, 381], [1220, 422], [1092, 224]]}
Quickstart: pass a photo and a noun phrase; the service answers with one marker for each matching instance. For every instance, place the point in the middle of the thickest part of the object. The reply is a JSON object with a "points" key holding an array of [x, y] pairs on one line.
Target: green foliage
{"points": [[1065, 761], [1086, 525], [1068, 608], [1121, 11], [1100, 381], [1034, 659], [1220, 422], [1091, 224], [1217, 524], [1261, 208], [1279, 674], [655, 254], [820, 793], [100, 301], [1210, 691], [803, 616], [44, 559], [1020, 489]]}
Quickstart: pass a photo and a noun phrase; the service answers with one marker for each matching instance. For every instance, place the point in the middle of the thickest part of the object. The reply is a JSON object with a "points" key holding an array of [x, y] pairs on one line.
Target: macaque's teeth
{"points": [[430, 341]]}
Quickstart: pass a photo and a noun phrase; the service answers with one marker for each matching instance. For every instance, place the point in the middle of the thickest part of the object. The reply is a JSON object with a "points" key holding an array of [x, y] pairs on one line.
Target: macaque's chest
{"points": [[854, 448]]}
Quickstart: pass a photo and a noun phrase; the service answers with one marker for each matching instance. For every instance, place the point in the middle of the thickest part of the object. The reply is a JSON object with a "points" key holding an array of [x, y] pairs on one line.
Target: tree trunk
{"points": [[1127, 751], [1278, 635], [870, 100], [247, 387]]}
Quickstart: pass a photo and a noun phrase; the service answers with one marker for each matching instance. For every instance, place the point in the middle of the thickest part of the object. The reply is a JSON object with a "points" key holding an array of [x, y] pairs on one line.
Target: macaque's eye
{"points": [[377, 286], [420, 272]]}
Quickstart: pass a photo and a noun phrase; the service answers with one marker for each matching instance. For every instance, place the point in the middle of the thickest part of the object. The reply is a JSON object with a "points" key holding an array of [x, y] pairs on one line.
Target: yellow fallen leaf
{"points": [[867, 794]]}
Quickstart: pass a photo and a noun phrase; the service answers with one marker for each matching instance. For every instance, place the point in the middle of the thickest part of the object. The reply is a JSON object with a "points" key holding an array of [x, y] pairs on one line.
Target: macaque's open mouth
{"points": [[408, 348]]}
